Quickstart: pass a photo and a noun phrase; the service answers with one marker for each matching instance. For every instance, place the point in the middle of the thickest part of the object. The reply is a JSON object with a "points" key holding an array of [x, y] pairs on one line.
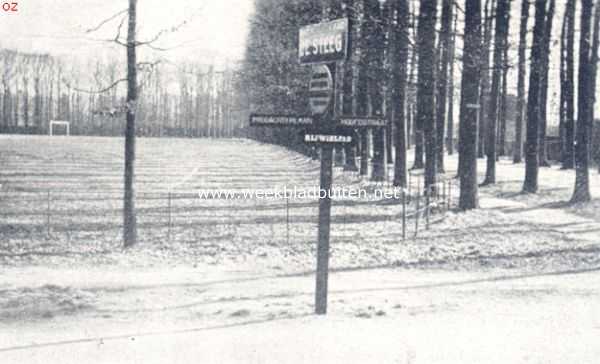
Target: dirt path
{"points": [[383, 316]]}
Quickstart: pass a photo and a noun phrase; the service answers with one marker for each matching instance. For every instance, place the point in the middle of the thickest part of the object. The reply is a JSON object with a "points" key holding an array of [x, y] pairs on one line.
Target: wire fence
{"points": [[185, 216]]}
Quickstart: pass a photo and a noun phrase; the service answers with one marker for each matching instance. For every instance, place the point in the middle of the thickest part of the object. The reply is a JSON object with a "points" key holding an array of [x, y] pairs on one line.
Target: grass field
{"points": [[489, 285], [62, 198], [61, 201]]}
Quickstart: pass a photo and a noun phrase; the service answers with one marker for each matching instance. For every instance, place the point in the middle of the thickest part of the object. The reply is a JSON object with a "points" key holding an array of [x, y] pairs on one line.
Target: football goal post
{"points": [[62, 125]]}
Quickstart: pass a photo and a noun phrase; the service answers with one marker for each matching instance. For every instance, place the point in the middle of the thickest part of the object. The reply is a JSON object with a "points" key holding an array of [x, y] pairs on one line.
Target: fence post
{"points": [[450, 195], [403, 214], [445, 182], [418, 207], [169, 214], [48, 211], [428, 206], [409, 187], [287, 217]]}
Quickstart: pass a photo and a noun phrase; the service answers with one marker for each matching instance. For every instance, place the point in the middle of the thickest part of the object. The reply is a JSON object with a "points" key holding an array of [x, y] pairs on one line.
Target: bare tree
{"points": [[500, 37], [9, 59], [518, 147], [415, 126], [543, 160], [471, 78], [568, 88], [488, 22], [450, 137], [426, 86], [530, 184], [585, 85], [376, 46], [350, 78], [400, 58], [442, 78], [129, 216], [502, 113]]}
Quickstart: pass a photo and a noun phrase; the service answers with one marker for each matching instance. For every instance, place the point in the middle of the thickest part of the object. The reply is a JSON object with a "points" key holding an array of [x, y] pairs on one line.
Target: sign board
{"points": [[473, 106], [327, 138], [324, 42], [280, 120], [320, 90], [360, 122]]}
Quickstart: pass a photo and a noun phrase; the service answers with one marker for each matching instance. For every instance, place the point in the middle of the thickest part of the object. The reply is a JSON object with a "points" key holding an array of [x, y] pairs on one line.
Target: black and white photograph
{"points": [[299, 181]]}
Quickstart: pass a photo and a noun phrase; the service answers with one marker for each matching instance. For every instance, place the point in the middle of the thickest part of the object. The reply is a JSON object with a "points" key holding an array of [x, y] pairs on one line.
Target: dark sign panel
{"points": [[280, 120], [324, 42], [327, 138], [359, 122]]}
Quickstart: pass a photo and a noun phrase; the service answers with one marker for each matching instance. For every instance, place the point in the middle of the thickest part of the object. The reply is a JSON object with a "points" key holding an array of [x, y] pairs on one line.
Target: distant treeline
{"points": [[185, 100]]}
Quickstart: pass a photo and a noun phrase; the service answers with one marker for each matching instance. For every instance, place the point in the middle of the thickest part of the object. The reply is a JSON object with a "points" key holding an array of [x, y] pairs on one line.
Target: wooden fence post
{"points": [[48, 212], [403, 214], [169, 214], [418, 207], [427, 206], [287, 217]]}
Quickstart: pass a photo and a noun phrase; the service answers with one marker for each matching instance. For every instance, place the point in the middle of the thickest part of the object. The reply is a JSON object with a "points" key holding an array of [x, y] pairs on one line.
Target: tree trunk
{"points": [[530, 184], [37, 103], [504, 95], [442, 84], [502, 114], [362, 98], [581, 192], [562, 103], [471, 77], [376, 45], [129, 215], [502, 17], [400, 58], [569, 145], [26, 101], [592, 81], [350, 82], [543, 160], [15, 104], [518, 147], [450, 137], [426, 87], [485, 76]]}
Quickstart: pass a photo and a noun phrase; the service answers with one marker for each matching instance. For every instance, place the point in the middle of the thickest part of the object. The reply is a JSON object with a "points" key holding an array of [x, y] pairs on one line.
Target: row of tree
{"points": [[402, 63], [174, 100]]}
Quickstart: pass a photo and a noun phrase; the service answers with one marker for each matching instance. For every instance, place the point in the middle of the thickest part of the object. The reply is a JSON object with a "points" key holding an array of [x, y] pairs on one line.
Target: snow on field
{"points": [[231, 281]]}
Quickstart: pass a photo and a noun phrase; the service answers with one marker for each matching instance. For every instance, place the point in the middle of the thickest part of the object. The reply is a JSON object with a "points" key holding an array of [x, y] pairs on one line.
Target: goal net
{"points": [[58, 127]]}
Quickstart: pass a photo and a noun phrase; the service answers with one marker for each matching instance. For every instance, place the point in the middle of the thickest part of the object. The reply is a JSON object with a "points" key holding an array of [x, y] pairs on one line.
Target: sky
{"points": [[215, 30]]}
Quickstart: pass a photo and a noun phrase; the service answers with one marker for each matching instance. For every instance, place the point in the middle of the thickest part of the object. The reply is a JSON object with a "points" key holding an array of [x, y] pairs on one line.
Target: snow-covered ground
{"points": [[513, 282]]}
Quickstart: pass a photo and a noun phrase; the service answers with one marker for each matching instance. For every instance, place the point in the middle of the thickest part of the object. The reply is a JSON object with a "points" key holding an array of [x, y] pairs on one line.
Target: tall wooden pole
{"points": [[325, 213], [324, 228]]}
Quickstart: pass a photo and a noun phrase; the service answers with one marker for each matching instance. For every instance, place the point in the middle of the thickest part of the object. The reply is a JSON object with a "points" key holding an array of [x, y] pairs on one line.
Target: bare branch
{"points": [[142, 66], [118, 36], [170, 30], [107, 20], [101, 91]]}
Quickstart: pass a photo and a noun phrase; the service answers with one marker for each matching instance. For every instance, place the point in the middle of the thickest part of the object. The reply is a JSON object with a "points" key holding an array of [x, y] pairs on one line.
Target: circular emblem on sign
{"points": [[320, 89]]}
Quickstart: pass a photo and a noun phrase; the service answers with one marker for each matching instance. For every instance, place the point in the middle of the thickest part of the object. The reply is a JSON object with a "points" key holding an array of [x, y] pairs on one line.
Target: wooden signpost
{"points": [[322, 46], [280, 120], [360, 122]]}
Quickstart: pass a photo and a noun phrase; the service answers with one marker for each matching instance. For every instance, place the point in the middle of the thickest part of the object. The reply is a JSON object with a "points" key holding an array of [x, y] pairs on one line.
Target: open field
{"points": [[64, 199], [486, 286]]}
